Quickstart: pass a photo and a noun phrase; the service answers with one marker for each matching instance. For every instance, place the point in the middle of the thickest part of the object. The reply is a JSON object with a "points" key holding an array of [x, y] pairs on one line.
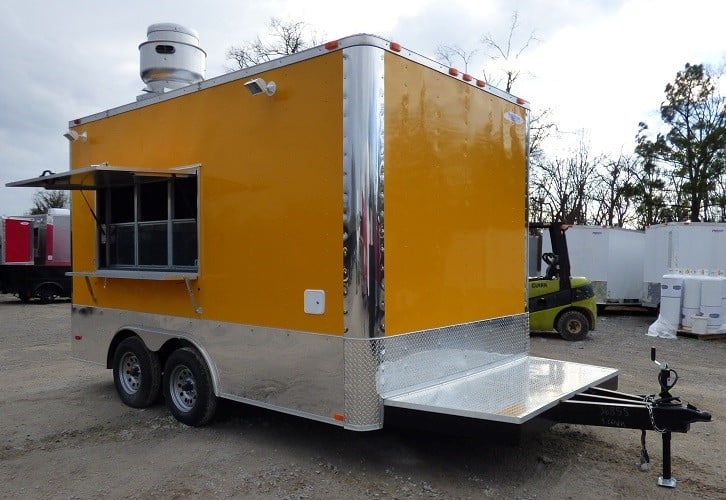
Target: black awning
{"points": [[100, 176]]}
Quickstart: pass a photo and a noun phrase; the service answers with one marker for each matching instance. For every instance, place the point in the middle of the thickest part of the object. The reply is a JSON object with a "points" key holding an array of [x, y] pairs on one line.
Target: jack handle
{"points": [[667, 377]]}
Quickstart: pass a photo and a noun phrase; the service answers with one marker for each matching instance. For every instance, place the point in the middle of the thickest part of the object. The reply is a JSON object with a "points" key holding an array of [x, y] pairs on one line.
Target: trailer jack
{"points": [[662, 413]]}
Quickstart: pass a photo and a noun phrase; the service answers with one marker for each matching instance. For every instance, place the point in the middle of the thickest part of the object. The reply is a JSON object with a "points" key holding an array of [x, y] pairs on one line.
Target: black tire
{"points": [[188, 389], [136, 373], [573, 325], [47, 294]]}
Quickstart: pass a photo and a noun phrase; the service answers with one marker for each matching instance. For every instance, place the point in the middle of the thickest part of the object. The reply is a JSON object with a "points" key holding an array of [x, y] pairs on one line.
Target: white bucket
{"points": [[687, 315], [700, 324]]}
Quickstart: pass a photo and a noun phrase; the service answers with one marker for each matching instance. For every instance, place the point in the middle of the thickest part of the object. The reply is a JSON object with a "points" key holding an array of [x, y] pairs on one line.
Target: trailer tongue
{"points": [[662, 413]]}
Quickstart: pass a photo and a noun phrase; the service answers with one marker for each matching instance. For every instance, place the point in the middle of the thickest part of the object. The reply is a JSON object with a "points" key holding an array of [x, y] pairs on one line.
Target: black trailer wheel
{"points": [[572, 325], [47, 293], [136, 373], [188, 387]]}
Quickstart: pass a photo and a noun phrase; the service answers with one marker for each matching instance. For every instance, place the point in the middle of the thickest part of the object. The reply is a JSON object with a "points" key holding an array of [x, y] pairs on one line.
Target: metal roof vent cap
{"points": [[170, 58]]}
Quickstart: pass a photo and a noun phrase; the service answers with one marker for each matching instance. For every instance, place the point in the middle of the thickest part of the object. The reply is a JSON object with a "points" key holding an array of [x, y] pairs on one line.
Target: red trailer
{"points": [[35, 255]]}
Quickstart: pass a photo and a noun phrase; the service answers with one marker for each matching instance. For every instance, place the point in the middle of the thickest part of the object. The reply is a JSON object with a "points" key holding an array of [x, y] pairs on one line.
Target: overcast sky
{"points": [[599, 65]]}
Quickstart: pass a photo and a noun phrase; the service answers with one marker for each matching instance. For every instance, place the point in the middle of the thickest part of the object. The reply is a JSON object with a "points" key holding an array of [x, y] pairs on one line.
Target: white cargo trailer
{"points": [[611, 257], [681, 247]]}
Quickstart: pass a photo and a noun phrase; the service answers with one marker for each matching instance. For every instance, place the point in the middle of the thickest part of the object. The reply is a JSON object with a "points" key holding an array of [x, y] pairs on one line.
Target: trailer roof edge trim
{"points": [[99, 176], [343, 43]]}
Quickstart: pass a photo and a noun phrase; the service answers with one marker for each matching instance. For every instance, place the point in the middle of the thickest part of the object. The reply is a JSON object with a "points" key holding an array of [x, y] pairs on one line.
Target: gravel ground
{"points": [[65, 434]]}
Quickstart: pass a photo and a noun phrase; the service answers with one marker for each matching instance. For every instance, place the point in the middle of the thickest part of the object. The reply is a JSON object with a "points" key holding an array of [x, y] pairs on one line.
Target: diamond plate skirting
{"points": [[389, 366]]}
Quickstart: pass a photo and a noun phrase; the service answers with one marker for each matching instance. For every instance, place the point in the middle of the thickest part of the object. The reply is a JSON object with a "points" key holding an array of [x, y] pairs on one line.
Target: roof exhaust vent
{"points": [[170, 59]]}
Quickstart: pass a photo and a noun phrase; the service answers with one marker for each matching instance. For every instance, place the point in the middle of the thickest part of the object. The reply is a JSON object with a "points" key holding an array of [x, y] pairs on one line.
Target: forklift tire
{"points": [[572, 325], [136, 373], [188, 389]]}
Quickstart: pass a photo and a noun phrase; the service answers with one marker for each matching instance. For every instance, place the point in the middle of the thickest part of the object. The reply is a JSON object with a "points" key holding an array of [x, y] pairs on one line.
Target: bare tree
{"points": [[612, 192], [560, 187], [451, 54], [540, 128], [283, 38], [507, 53]]}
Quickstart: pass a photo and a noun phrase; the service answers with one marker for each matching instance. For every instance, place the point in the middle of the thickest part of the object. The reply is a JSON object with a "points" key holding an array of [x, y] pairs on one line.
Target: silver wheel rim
{"points": [[183, 388], [130, 373]]}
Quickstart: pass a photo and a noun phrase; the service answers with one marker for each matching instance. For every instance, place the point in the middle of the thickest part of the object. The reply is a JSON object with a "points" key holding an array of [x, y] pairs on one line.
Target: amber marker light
{"points": [[333, 44], [339, 417], [395, 46]]}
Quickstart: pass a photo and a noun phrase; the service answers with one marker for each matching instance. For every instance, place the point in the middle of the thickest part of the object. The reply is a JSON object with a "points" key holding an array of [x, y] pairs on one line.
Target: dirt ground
{"points": [[65, 434]]}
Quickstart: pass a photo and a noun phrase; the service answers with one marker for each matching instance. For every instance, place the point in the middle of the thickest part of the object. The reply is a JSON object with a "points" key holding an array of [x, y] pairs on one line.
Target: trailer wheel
{"points": [[572, 325], [47, 294], [136, 373], [188, 388]]}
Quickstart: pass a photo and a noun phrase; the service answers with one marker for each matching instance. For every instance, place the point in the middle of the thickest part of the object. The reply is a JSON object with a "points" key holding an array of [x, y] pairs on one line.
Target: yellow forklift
{"points": [[558, 301]]}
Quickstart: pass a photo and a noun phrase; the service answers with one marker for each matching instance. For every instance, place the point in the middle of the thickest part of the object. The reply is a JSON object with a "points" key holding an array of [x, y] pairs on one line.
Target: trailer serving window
{"points": [[146, 219], [151, 224]]}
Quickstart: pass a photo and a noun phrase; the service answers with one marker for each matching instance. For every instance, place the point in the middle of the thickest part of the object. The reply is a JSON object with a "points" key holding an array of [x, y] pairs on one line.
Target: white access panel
{"points": [[513, 392], [626, 258], [612, 258], [588, 248]]}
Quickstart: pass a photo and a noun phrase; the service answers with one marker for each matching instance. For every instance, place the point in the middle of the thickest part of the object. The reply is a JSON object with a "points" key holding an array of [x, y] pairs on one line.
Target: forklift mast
{"points": [[560, 262]]}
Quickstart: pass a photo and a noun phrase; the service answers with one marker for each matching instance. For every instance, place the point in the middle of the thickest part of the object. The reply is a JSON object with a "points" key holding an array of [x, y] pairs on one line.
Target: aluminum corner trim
{"points": [[363, 159]]}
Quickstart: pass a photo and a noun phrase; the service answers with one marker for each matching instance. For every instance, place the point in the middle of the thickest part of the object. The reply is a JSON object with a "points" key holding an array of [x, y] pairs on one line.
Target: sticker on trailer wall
{"points": [[513, 117]]}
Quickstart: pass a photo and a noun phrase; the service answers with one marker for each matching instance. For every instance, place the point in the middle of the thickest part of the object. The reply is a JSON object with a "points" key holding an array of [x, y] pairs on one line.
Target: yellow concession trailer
{"points": [[327, 234]]}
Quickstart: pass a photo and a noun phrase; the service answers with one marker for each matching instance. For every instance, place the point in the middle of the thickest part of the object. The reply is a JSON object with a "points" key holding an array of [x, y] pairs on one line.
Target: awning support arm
{"points": [[90, 289], [192, 297]]}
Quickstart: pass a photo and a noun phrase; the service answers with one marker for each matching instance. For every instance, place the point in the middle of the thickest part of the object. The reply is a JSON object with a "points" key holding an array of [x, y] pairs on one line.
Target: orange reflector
{"points": [[466, 77], [521, 101], [453, 71], [339, 417], [332, 45], [480, 83], [395, 46], [78, 337]]}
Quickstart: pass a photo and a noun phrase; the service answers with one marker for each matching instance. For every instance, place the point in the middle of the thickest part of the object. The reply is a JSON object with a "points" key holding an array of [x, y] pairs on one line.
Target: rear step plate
{"points": [[512, 392]]}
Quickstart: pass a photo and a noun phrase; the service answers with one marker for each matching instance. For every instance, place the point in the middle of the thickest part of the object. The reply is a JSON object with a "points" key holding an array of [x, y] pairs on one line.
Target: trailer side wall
{"points": [[270, 198], [455, 201]]}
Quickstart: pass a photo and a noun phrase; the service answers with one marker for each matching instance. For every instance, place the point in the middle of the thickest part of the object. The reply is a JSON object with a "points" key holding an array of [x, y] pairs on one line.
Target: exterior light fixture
{"points": [[259, 86], [73, 136]]}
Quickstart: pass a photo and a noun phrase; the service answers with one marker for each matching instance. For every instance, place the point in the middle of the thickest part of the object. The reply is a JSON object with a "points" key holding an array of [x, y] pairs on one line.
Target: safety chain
{"points": [[649, 404]]}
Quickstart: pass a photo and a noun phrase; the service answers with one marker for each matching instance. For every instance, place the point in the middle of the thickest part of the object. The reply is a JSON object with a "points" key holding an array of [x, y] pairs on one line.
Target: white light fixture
{"points": [[73, 136], [259, 86]]}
